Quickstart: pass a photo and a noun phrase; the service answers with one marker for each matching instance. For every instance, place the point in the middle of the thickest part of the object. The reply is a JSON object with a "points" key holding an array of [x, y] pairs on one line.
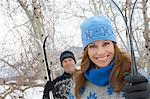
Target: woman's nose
{"points": [[100, 51]]}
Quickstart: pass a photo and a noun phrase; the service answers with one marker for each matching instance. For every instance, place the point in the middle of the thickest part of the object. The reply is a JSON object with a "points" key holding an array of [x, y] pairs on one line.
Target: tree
{"points": [[146, 32]]}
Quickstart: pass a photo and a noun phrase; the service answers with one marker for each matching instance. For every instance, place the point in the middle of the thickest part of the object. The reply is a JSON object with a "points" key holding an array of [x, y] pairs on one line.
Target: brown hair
{"points": [[122, 65]]}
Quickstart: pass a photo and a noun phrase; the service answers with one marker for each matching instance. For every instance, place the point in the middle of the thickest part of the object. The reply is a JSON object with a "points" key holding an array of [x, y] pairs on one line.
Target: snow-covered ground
{"points": [[32, 93]]}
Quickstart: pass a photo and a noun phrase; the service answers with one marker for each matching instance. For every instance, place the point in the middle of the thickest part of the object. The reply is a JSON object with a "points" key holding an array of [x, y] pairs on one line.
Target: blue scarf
{"points": [[99, 77]]}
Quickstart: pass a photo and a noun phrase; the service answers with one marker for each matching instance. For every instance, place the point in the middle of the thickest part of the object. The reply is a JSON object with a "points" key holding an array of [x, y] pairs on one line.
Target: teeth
{"points": [[104, 58]]}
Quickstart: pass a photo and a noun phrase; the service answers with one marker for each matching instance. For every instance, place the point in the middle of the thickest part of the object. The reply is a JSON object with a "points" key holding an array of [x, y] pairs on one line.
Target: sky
{"points": [[2, 27]]}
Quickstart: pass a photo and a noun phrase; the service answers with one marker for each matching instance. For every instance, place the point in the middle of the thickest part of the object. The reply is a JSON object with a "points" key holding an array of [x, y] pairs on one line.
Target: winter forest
{"points": [[24, 24]]}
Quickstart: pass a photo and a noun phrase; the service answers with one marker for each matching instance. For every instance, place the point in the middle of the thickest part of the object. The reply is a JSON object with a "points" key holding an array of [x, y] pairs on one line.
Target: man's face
{"points": [[69, 65]]}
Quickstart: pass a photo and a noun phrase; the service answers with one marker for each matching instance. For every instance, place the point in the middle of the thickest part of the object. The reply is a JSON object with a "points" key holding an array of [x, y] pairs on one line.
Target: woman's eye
{"points": [[106, 43], [92, 46]]}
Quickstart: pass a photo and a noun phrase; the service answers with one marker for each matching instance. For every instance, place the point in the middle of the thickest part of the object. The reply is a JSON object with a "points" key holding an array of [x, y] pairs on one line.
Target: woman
{"points": [[103, 65]]}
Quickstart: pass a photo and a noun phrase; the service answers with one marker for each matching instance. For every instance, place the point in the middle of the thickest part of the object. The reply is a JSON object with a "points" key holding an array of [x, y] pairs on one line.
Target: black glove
{"points": [[48, 87], [136, 87]]}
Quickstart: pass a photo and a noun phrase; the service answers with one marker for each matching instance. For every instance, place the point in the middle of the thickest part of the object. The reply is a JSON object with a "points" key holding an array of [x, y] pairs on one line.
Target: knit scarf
{"points": [[99, 77]]}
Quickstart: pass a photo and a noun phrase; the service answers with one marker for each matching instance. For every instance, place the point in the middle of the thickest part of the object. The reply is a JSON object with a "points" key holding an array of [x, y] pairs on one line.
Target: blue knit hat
{"points": [[96, 28]]}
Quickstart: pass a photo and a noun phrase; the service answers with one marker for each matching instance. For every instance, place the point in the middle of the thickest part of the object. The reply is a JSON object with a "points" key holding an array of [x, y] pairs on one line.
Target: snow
{"points": [[32, 93]]}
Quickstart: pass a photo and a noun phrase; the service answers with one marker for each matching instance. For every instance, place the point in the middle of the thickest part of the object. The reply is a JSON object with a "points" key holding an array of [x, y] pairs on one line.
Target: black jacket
{"points": [[60, 87]]}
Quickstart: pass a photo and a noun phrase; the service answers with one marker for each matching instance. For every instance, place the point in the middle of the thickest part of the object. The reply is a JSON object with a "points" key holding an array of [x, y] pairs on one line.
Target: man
{"points": [[61, 85]]}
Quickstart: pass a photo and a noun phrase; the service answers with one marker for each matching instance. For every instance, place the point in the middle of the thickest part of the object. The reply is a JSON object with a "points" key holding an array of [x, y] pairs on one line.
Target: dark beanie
{"points": [[66, 54]]}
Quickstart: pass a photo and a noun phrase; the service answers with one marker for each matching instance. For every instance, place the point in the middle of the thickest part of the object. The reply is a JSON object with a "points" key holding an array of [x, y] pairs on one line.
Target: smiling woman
{"points": [[104, 65], [101, 53]]}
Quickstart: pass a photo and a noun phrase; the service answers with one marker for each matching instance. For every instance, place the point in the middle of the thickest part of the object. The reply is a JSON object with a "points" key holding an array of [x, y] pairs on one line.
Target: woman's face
{"points": [[101, 52]]}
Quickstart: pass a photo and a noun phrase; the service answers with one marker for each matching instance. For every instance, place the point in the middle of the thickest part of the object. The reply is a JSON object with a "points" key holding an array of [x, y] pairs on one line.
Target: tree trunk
{"points": [[38, 33], [146, 34]]}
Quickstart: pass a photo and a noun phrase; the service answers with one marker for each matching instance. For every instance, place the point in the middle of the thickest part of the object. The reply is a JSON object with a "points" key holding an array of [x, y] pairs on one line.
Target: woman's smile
{"points": [[101, 52]]}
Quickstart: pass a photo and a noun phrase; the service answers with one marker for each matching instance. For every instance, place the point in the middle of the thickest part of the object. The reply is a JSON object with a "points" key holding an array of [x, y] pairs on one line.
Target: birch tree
{"points": [[146, 32]]}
